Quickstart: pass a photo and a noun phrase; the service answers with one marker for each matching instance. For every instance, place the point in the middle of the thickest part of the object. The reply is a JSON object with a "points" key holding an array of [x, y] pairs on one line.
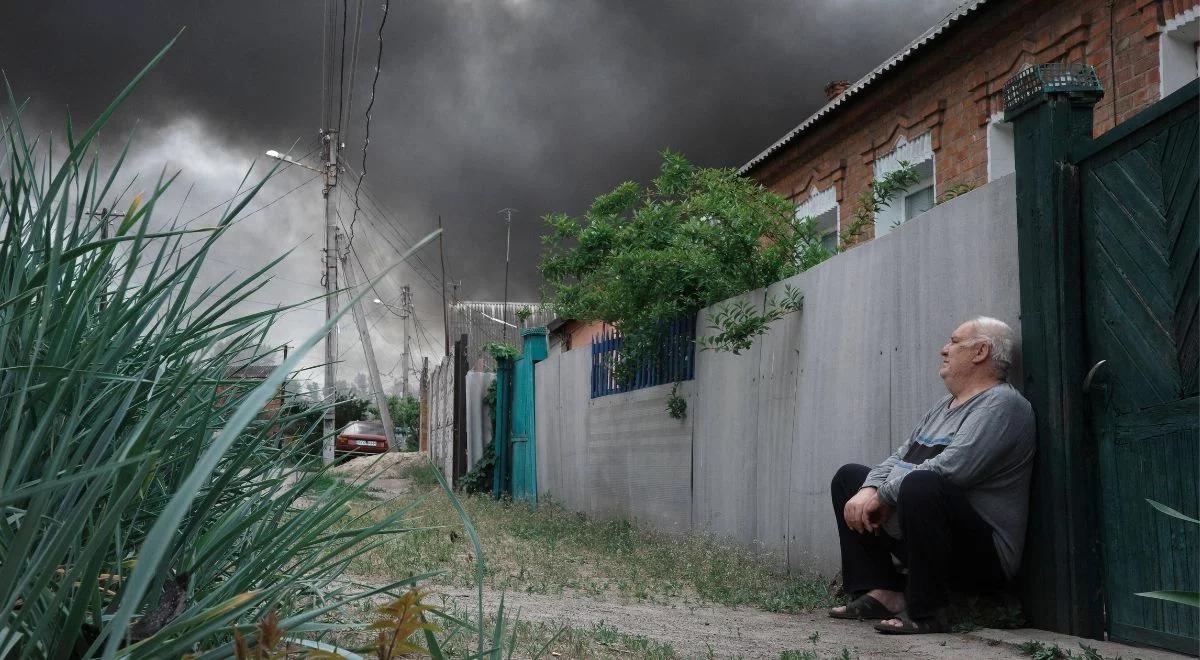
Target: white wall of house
{"points": [[917, 198], [1179, 51], [842, 381]]}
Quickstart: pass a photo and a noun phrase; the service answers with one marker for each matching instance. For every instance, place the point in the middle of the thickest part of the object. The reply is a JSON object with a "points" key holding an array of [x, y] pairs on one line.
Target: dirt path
{"points": [[731, 632]]}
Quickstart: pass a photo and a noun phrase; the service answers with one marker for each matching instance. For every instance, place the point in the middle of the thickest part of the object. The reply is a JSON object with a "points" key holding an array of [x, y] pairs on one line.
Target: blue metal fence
{"points": [[676, 359]]}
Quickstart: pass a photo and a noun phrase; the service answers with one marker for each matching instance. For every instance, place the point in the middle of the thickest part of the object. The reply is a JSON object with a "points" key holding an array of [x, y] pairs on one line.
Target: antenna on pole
{"points": [[507, 244]]}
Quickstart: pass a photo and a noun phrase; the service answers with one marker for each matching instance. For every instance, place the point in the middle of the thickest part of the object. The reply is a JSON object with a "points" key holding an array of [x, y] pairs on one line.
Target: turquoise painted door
{"points": [[524, 436], [1140, 226]]}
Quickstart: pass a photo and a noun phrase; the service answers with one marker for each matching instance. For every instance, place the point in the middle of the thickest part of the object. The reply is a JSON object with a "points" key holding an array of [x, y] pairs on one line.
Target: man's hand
{"points": [[865, 512]]}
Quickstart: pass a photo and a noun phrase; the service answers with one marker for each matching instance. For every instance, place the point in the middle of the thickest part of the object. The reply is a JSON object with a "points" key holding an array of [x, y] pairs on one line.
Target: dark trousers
{"points": [[946, 545]]}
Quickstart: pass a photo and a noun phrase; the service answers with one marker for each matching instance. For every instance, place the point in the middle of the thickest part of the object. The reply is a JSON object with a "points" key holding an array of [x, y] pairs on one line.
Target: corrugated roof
{"points": [[862, 83]]}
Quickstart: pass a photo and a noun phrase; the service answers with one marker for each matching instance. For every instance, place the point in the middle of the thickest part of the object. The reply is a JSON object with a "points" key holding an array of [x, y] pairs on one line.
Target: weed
{"points": [[1042, 651], [325, 484], [421, 473]]}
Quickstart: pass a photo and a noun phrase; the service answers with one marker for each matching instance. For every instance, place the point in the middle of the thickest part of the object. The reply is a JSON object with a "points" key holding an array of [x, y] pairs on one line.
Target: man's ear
{"points": [[982, 352]]}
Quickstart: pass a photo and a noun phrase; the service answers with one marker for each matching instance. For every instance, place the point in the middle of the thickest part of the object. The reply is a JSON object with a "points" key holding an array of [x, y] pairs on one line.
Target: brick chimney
{"points": [[835, 89]]}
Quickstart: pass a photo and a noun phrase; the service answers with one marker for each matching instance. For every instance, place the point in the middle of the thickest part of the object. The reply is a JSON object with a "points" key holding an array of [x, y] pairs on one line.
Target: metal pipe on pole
{"points": [[507, 244]]}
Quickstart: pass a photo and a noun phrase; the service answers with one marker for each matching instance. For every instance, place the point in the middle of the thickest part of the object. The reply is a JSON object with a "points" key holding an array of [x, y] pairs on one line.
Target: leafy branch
{"points": [[501, 350], [870, 202], [737, 323]]}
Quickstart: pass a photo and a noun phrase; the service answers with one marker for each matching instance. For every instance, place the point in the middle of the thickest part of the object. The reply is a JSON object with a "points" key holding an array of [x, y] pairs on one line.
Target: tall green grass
{"points": [[146, 509]]}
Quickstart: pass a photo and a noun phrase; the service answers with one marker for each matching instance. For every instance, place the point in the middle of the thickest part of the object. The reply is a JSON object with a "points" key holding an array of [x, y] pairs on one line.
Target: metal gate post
{"points": [[459, 453], [501, 473], [1050, 107]]}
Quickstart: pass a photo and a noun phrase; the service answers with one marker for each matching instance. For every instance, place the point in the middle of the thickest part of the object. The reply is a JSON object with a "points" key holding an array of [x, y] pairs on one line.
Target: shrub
{"points": [[148, 510]]}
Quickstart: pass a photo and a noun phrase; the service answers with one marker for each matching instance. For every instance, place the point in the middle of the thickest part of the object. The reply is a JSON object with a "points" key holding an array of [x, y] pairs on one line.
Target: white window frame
{"points": [[914, 152], [819, 203], [1001, 156], [1178, 53]]}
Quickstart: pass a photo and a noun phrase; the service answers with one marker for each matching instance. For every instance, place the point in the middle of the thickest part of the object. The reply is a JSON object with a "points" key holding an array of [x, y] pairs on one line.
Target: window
{"points": [[1001, 161], [917, 198], [1179, 51], [822, 207]]}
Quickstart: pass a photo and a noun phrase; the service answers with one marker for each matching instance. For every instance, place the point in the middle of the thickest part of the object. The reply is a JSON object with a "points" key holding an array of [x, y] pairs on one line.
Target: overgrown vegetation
{"points": [[551, 550], [479, 478], [676, 405], [642, 256], [1043, 651], [957, 190], [873, 200], [149, 509], [736, 324], [501, 350], [406, 415]]}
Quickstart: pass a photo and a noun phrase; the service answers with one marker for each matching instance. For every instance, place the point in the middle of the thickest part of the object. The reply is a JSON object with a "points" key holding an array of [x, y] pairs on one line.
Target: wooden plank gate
{"points": [[1109, 230]]}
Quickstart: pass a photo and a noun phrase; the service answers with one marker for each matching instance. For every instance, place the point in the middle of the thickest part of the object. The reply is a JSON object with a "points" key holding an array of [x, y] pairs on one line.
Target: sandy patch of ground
{"points": [[388, 469], [746, 632], [715, 630]]}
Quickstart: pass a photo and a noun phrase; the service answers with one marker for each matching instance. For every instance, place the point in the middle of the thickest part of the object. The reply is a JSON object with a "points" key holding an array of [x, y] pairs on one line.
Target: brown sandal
{"points": [[911, 626], [863, 607]]}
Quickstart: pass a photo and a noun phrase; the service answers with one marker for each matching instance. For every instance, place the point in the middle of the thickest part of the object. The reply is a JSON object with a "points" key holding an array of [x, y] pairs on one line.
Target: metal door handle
{"points": [[1091, 375]]}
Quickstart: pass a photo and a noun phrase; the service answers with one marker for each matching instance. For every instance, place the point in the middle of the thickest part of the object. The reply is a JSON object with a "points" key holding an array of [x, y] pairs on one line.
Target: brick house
{"points": [[937, 103]]}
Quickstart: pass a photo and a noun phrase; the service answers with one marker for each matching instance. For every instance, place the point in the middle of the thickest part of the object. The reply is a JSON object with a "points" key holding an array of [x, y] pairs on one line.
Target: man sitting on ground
{"points": [[951, 503]]}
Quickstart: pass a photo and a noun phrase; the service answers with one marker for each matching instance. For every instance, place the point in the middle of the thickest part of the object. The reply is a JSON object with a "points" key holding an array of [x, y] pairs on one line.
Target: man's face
{"points": [[961, 356]]}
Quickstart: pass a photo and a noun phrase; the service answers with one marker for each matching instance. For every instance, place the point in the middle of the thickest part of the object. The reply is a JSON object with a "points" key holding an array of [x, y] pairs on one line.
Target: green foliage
{"points": [[1042, 651], [642, 256], [878, 197], [523, 314], [421, 473], [351, 409], [956, 190], [149, 509], [1189, 598], [479, 478], [676, 405], [737, 323], [406, 416], [501, 350]]}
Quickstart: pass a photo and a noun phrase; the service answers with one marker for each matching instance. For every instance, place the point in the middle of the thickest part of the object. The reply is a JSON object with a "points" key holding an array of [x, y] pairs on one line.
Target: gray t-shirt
{"points": [[984, 446]]}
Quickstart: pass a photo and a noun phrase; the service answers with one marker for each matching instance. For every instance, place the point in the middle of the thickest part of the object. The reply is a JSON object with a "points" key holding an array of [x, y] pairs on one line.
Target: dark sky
{"points": [[538, 105]]}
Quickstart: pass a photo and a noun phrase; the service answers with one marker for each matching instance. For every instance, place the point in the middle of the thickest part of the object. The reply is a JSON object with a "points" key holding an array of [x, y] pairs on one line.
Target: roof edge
{"points": [[929, 36]]}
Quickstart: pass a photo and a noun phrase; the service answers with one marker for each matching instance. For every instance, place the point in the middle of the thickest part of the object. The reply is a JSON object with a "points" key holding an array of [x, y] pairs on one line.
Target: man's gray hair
{"points": [[1001, 341]]}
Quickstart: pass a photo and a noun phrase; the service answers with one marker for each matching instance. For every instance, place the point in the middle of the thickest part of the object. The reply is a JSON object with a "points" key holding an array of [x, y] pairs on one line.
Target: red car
{"points": [[361, 438]]}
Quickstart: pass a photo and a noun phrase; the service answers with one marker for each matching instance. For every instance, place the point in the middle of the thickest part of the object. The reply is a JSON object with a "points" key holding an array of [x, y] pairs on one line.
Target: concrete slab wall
{"points": [[844, 380]]}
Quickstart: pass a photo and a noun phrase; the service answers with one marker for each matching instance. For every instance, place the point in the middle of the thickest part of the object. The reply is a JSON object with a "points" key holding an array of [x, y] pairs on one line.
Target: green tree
{"points": [[406, 416], [696, 236]]}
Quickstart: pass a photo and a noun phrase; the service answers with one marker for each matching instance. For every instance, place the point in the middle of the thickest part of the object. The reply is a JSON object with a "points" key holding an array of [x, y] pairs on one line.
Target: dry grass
{"points": [[553, 551]]}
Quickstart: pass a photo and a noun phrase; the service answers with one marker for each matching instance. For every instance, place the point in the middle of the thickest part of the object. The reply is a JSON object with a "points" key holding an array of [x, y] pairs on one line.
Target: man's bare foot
{"points": [[892, 600]]}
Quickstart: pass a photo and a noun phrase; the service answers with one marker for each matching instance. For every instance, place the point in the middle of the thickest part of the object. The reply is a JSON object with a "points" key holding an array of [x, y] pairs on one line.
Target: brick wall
{"points": [[952, 87]]}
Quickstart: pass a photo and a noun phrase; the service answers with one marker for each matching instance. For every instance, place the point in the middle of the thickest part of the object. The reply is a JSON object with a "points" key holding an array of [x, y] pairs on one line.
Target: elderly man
{"points": [[951, 503]]}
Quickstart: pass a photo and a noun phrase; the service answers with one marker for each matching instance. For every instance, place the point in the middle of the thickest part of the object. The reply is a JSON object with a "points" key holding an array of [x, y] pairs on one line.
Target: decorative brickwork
{"points": [[952, 88]]}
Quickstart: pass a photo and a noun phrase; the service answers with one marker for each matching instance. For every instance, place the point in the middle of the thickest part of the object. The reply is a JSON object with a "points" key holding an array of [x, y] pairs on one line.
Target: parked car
{"points": [[361, 438]]}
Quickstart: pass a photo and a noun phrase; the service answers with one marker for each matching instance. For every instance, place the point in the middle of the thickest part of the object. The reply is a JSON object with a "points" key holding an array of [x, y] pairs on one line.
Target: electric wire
{"points": [[367, 123]]}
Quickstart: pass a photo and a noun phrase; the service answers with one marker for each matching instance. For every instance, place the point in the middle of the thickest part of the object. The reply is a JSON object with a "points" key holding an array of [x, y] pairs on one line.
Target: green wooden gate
{"points": [[524, 436], [1107, 234], [1138, 190]]}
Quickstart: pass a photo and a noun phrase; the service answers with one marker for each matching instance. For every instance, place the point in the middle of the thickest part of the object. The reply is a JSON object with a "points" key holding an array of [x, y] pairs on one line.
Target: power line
{"points": [[367, 127]]}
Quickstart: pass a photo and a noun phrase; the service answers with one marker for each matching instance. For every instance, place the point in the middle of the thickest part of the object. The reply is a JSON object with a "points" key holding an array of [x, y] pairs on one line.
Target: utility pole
{"points": [[329, 139], [406, 305], [364, 335], [507, 242], [445, 310]]}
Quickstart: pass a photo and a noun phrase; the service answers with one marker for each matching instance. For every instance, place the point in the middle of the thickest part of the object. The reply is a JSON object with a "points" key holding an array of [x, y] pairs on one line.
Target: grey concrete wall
{"points": [[842, 381]]}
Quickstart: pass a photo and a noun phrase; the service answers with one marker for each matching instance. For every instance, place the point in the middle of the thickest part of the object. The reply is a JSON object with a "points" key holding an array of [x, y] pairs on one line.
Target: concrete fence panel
{"points": [[842, 381]]}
